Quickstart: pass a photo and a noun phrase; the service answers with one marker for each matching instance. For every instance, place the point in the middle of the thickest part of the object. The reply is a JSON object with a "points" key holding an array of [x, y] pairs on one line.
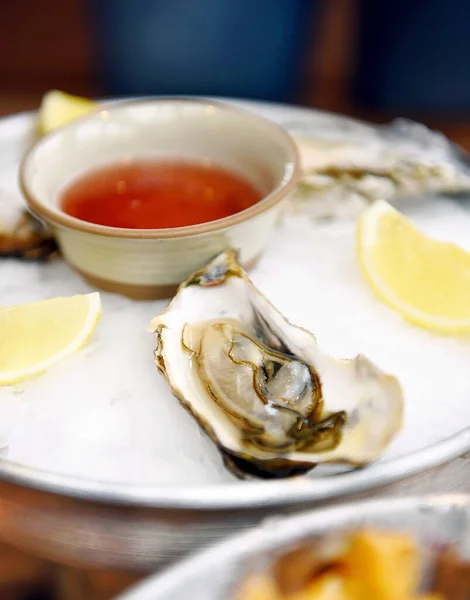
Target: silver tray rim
{"points": [[240, 495]]}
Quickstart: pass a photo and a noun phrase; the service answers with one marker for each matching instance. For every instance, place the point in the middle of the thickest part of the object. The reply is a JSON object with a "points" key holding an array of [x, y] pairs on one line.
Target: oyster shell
{"points": [[261, 387], [21, 235], [346, 169]]}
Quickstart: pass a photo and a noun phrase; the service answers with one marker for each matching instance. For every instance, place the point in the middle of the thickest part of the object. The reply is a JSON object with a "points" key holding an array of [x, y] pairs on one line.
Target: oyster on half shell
{"points": [[348, 165], [261, 387], [21, 234]]}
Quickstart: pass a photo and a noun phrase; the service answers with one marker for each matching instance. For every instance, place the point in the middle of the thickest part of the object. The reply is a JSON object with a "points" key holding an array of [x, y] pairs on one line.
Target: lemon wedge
{"points": [[37, 335], [58, 108], [427, 281]]}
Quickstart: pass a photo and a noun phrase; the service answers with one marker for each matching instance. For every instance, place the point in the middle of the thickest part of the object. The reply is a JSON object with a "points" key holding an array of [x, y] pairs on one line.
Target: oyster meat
{"points": [[260, 387], [346, 169]]}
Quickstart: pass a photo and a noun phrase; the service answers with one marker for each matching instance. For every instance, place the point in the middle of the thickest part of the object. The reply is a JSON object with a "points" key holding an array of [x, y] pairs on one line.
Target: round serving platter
{"points": [[98, 462]]}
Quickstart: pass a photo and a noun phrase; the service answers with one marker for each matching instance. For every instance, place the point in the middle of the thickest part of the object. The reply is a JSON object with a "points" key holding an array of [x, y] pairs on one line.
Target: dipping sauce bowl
{"points": [[150, 263]]}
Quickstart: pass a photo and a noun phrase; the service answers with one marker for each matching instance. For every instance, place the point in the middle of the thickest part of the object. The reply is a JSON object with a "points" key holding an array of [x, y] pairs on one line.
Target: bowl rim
{"points": [[64, 220], [276, 534]]}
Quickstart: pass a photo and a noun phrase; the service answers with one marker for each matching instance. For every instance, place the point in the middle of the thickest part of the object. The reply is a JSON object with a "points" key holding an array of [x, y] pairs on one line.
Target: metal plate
{"points": [[110, 413], [215, 573]]}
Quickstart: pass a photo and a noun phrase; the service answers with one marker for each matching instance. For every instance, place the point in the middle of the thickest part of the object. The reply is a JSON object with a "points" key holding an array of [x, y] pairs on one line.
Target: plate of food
{"points": [[413, 548], [317, 337]]}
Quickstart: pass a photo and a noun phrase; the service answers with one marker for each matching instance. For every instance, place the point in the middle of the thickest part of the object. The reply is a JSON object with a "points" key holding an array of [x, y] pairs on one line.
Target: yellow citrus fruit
{"points": [[427, 281], [58, 108], [37, 335]]}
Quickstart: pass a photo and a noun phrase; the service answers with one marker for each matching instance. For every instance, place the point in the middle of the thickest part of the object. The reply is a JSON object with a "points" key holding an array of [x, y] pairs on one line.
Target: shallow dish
{"points": [[216, 573], [150, 263]]}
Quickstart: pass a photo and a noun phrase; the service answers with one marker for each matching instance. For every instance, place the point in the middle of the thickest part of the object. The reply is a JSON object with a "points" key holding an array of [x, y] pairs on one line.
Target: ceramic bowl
{"points": [[216, 573], [150, 263]]}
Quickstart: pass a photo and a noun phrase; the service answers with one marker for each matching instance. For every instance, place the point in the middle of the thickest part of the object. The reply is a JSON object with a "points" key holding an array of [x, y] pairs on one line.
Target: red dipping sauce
{"points": [[157, 195]]}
